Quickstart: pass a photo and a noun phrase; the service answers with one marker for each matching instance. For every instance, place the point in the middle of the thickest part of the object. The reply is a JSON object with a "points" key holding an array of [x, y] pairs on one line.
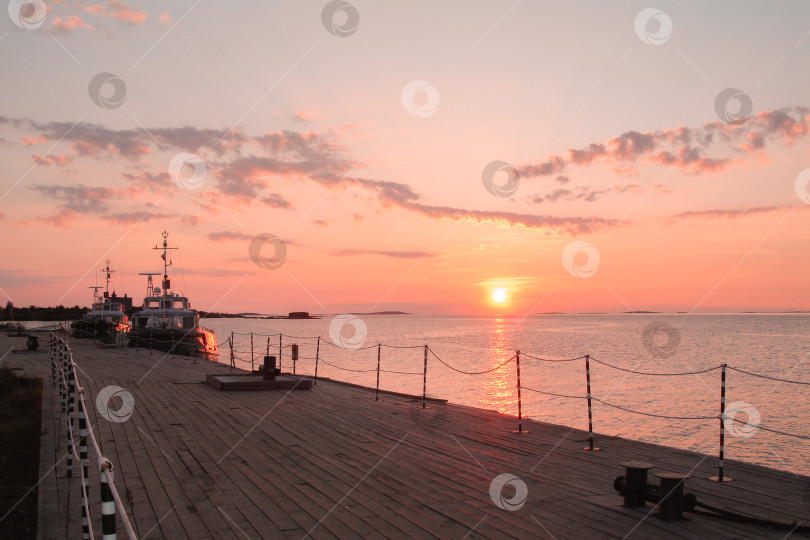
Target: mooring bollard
{"points": [[633, 485], [671, 502], [107, 501], [269, 369]]}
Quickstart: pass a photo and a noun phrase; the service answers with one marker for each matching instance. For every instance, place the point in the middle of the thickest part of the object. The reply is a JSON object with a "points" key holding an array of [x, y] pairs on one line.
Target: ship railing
{"points": [[72, 395]]}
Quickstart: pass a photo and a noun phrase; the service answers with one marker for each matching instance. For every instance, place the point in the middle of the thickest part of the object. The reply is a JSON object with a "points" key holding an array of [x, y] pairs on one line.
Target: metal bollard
{"points": [[671, 502], [269, 370], [633, 485]]}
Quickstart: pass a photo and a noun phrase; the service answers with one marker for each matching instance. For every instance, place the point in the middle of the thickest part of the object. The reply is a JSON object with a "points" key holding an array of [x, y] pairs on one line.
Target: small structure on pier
{"points": [[268, 378]]}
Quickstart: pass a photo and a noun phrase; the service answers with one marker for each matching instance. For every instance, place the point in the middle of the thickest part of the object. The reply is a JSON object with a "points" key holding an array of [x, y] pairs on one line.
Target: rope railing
{"points": [[678, 374], [535, 390], [62, 364], [668, 417], [496, 368], [761, 376], [539, 359], [248, 356]]}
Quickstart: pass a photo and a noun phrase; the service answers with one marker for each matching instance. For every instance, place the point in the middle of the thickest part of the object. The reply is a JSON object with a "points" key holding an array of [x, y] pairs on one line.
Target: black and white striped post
{"points": [[377, 396], [720, 476], [590, 406], [279, 352], [251, 351], [62, 381], [424, 382], [85, 485], [520, 400], [53, 360], [317, 354], [71, 379], [107, 501]]}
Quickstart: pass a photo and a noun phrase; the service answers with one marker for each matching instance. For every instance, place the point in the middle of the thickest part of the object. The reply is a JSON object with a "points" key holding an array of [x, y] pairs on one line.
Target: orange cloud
{"points": [[59, 161], [165, 17], [67, 25], [95, 9], [30, 141], [121, 12]]}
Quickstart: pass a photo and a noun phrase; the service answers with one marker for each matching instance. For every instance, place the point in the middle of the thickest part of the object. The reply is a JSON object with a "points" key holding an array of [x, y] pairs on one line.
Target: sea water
{"points": [[674, 410]]}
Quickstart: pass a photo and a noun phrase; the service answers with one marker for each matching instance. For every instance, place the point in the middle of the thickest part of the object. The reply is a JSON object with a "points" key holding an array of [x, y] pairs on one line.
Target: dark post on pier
{"points": [[269, 368]]}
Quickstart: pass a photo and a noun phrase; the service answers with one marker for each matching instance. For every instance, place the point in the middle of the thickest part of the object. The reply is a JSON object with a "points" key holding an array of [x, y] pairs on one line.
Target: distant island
{"points": [[383, 313]]}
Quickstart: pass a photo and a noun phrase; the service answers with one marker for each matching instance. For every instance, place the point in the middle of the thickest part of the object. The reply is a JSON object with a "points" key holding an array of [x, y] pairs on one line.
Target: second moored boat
{"points": [[167, 322]]}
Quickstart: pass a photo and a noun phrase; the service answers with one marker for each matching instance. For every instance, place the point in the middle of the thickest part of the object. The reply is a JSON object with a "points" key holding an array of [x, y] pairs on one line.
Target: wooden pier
{"points": [[331, 462]]}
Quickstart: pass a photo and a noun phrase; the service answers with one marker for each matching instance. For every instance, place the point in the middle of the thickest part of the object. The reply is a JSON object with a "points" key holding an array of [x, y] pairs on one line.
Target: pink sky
{"points": [[673, 158]]}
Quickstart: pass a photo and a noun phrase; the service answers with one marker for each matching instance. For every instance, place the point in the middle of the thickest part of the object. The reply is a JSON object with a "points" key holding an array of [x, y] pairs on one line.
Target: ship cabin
{"points": [[166, 311]]}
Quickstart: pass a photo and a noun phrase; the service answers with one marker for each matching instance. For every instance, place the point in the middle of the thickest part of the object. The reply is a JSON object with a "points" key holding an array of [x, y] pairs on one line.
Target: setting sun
{"points": [[499, 296]]}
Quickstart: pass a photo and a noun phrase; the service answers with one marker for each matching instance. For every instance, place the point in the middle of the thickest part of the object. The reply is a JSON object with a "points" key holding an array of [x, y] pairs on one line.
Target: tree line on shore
{"points": [[63, 313], [34, 313]]}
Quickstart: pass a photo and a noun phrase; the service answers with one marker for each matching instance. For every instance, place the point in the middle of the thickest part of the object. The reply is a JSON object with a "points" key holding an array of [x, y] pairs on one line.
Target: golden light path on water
{"points": [[499, 387]]}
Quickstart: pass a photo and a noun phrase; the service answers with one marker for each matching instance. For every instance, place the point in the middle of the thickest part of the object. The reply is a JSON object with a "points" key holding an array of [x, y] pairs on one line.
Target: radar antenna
{"points": [[95, 293], [150, 287]]}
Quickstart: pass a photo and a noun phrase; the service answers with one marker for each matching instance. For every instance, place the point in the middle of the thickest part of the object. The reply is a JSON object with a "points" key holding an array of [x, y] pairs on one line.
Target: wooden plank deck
{"points": [[330, 462]]}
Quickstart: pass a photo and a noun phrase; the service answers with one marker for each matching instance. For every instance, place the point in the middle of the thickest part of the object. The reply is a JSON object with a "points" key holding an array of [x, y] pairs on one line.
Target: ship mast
{"points": [[109, 275], [166, 261]]}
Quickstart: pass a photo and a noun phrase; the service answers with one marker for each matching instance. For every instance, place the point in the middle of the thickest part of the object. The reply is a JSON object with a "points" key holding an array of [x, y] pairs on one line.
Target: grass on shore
{"points": [[20, 425]]}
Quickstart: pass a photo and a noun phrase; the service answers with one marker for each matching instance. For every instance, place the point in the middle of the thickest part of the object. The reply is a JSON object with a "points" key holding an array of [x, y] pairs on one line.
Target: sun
{"points": [[499, 296]]}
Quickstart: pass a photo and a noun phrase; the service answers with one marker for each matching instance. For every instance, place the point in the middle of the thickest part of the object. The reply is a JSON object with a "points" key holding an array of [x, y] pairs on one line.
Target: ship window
{"points": [[167, 305], [179, 304]]}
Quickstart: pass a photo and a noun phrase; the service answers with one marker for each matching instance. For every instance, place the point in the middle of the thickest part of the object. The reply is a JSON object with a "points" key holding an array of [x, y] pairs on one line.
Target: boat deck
{"points": [[330, 462]]}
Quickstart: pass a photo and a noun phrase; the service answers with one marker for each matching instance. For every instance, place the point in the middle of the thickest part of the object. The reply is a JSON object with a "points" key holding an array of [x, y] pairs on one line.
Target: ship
{"points": [[166, 321], [107, 320]]}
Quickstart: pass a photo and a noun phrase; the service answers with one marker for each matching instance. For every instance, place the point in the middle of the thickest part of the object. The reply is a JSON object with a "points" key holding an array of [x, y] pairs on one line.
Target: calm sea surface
{"points": [[773, 345]]}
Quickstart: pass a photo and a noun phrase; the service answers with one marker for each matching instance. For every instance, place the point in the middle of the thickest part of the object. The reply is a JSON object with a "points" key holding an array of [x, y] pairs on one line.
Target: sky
{"points": [[602, 156]]}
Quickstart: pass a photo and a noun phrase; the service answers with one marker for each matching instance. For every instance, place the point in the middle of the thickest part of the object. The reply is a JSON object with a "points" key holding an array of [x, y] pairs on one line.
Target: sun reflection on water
{"points": [[499, 387]]}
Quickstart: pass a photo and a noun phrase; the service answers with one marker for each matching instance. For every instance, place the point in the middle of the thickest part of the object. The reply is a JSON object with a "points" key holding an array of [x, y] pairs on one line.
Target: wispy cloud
{"points": [[224, 236], [391, 254], [708, 148], [729, 213]]}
